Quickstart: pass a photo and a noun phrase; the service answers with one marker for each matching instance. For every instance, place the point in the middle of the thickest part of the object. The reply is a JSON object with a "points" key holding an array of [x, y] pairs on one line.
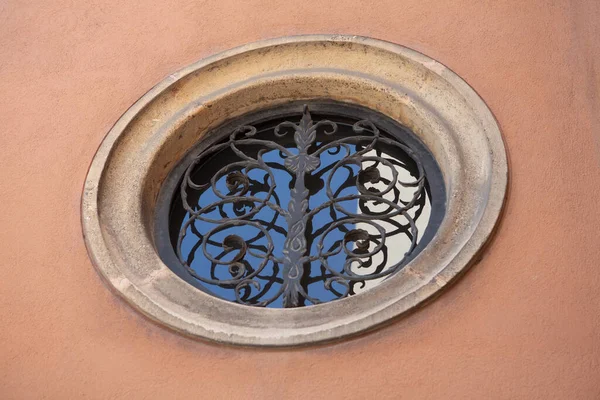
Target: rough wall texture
{"points": [[524, 323]]}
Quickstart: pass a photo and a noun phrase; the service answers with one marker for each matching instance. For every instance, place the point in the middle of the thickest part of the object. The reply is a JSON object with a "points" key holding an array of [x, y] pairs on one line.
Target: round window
{"points": [[294, 191], [293, 207]]}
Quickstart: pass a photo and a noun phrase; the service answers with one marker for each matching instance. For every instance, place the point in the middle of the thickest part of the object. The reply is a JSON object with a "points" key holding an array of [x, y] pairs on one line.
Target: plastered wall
{"points": [[522, 324]]}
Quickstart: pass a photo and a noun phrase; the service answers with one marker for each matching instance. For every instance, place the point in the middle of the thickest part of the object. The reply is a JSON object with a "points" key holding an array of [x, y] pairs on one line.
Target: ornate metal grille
{"points": [[289, 213]]}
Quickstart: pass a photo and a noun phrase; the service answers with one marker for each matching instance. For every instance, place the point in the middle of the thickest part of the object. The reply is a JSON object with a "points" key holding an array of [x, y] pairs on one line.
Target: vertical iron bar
{"points": [[295, 243]]}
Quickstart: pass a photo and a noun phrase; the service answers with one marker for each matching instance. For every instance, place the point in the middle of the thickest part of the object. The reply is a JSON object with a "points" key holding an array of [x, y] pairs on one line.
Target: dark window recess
{"points": [[295, 210]]}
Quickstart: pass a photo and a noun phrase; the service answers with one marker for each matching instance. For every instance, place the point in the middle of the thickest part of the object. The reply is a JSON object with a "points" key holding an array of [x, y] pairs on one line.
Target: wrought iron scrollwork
{"points": [[347, 194]]}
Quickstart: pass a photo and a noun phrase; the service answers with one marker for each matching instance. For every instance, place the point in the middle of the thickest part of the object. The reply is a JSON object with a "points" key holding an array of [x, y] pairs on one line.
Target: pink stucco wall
{"points": [[524, 323]]}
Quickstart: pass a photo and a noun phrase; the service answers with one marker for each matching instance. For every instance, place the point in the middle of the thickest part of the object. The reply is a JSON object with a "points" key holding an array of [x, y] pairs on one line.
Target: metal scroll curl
{"points": [[300, 213]]}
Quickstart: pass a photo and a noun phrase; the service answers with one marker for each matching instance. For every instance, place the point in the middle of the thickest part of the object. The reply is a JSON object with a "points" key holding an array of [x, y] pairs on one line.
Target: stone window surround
{"points": [[126, 175]]}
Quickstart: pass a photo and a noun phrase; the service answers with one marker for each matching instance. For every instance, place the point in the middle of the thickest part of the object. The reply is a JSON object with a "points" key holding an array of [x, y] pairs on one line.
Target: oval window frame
{"points": [[127, 173]]}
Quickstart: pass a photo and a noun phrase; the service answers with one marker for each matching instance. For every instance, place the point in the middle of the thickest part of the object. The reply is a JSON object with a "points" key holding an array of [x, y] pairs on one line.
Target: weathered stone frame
{"points": [[124, 180]]}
